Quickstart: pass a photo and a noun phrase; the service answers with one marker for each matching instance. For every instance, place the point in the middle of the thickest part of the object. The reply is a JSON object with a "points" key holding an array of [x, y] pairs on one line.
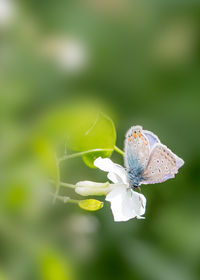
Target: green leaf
{"points": [[90, 158], [82, 126], [90, 129], [90, 204]]}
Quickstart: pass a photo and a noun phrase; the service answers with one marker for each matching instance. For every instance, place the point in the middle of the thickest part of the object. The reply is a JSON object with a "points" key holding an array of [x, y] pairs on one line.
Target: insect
{"points": [[147, 160]]}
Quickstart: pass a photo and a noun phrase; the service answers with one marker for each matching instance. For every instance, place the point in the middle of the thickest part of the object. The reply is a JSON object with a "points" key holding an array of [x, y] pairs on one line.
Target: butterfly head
{"points": [[134, 132]]}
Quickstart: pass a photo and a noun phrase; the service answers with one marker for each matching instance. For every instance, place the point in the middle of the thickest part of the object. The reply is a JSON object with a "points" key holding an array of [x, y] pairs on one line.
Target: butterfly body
{"points": [[135, 177], [147, 160]]}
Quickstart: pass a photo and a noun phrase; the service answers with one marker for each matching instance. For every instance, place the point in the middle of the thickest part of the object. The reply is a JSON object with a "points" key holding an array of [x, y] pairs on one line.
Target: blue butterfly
{"points": [[147, 160]]}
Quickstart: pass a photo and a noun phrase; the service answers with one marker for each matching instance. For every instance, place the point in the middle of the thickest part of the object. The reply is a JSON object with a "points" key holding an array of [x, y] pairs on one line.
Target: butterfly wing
{"points": [[152, 138], [137, 149], [163, 164]]}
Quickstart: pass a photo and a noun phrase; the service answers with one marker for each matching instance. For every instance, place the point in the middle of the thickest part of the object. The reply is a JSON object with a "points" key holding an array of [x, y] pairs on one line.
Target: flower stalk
{"points": [[118, 150], [85, 204], [57, 180], [63, 184], [65, 199], [65, 157]]}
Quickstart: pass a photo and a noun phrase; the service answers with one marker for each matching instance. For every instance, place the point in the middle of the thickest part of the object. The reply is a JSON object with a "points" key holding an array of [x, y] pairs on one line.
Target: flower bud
{"points": [[90, 204], [92, 188]]}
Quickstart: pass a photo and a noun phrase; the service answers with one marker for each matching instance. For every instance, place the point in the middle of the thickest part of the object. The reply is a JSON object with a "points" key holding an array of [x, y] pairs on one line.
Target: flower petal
{"points": [[86, 188], [126, 203], [117, 173]]}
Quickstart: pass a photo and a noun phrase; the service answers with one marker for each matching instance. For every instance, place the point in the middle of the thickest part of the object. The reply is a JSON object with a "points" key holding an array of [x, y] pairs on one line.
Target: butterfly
{"points": [[147, 160]]}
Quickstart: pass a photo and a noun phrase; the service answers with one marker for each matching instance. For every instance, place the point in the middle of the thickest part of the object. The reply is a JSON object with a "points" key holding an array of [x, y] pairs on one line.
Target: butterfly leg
{"points": [[137, 187]]}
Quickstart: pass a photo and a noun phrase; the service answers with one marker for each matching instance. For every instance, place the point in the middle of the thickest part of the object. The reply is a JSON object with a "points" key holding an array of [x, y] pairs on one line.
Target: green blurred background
{"points": [[140, 61]]}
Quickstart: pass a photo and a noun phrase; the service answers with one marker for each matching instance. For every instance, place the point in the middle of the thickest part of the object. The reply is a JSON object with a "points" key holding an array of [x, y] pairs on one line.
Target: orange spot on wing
{"points": [[139, 134], [129, 139], [134, 135]]}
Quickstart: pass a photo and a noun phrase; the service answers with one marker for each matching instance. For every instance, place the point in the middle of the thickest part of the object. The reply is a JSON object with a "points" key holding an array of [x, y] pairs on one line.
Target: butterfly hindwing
{"points": [[162, 165]]}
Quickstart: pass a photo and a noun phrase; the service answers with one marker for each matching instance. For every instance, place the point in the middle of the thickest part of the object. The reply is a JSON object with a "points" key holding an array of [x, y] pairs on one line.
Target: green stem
{"points": [[84, 153], [65, 199], [118, 150], [63, 184], [66, 185], [57, 180]]}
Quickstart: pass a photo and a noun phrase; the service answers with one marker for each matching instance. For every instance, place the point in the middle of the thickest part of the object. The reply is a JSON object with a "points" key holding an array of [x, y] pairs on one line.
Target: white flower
{"points": [[125, 203]]}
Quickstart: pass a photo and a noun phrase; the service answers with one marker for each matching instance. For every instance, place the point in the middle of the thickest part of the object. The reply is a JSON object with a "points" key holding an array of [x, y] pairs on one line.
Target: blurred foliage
{"points": [[77, 127], [53, 267], [139, 61]]}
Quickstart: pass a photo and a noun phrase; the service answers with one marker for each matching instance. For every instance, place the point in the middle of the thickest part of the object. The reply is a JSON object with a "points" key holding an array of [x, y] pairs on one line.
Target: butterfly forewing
{"points": [[136, 148]]}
